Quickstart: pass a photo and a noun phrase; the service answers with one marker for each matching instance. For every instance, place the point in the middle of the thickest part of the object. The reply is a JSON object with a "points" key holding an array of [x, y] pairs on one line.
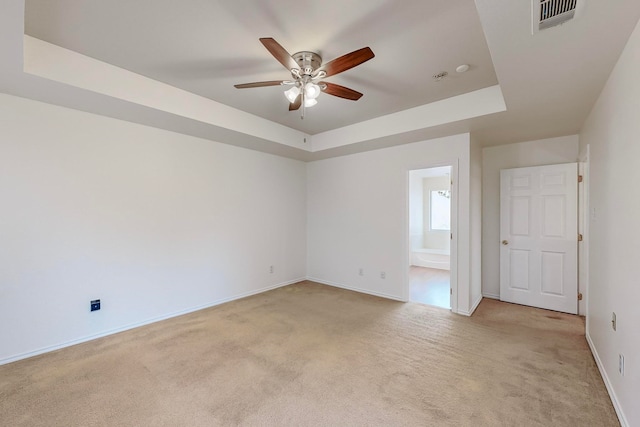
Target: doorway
{"points": [[431, 228]]}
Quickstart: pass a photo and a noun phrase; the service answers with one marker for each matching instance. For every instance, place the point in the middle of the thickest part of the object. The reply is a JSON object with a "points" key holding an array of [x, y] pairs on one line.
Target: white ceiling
{"points": [[205, 47], [549, 81]]}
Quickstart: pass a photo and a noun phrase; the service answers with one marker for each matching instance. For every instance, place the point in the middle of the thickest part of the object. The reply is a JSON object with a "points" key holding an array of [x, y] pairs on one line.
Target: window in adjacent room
{"points": [[440, 215]]}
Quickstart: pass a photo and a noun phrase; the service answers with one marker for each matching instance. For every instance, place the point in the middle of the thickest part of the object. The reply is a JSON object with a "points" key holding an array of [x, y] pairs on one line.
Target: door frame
{"points": [[453, 249], [584, 217]]}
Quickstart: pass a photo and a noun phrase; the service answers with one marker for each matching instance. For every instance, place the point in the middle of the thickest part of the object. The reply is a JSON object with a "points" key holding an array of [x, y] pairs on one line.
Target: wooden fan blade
{"points": [[340, 91], [296, 104], [259, 84], [279, 53], [348, 61]]}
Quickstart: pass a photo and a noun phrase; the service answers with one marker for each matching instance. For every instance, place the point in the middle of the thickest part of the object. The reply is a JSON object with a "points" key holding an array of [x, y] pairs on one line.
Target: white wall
{"points": [[152, 222], [612, 132], [357, 216], [532, 153]]}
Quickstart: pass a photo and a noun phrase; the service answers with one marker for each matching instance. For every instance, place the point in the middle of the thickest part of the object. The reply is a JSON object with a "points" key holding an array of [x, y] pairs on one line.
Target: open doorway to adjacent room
{"points": [[430, 236]]}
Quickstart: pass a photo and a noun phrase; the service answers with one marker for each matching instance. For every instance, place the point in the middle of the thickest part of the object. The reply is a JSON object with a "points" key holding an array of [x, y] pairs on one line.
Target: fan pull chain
{"points": [[302, 95]]}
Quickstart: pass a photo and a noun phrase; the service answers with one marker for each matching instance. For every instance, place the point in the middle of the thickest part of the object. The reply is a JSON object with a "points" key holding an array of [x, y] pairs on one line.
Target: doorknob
{"points": [[505, 242]]}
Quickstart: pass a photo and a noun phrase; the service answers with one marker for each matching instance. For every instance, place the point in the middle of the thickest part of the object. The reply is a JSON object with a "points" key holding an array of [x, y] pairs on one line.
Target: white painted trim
{"points": [[607, 383], [583, 228], [478, 103], [47, 60], [143, 323], [584, 280], [353, 288], [490, 295], [473, 307]]}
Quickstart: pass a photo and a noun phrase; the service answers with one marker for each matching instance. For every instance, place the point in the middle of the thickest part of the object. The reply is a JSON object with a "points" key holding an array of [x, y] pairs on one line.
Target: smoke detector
{"points": [[550, 13]]}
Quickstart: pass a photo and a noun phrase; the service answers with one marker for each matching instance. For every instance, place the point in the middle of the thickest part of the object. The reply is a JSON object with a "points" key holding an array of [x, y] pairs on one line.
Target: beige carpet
{"points": [[309, 354]]}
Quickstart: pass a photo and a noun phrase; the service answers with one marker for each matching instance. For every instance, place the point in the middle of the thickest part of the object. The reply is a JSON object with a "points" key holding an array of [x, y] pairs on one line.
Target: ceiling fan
{"points": [[307, 70]]}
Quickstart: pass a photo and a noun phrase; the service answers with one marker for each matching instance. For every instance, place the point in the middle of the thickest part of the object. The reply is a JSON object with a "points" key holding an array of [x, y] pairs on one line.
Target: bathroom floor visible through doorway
{"points": [[430, 286]]}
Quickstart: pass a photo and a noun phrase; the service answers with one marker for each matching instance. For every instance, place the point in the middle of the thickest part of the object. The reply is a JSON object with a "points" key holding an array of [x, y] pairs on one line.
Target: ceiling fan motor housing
{"points": [[308, 61]]}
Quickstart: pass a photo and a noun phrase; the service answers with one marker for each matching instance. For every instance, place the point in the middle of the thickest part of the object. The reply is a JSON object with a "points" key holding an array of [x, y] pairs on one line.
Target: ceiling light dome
{"points": [[292, 93], [311, 91]]}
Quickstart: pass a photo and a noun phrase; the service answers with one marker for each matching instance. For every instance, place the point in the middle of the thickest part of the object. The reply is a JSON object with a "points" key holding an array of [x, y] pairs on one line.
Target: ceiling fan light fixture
{"points": [[292, 94], [311, 91], [306, 69], [310, 102]]}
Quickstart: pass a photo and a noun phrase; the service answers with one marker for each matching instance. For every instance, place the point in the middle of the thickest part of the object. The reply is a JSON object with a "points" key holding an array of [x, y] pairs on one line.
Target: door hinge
{"points": [[580, 178], [451, 291], [451, 236], [579, 237], [580, 296]]}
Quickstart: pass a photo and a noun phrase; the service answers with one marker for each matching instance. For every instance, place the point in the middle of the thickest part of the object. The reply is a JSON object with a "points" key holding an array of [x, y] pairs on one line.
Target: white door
{"points": [[539, 236]]}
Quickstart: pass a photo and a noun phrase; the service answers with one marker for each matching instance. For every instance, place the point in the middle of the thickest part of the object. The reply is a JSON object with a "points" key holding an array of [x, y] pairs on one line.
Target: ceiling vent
{"points": [[549, 13]]}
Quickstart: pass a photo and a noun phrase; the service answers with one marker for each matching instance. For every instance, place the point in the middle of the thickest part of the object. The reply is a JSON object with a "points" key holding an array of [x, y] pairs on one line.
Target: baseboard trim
{"points": [[472, 309], [355, 289], [607, 383], [81, 340], [476, 304], [490, 295]]}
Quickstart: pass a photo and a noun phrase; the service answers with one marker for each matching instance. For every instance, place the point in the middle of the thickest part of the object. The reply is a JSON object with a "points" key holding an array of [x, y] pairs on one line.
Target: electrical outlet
{"points": [[361, 272], [614, 323], [621, 364], [95, 305], [383, 275], [271, 269]]}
